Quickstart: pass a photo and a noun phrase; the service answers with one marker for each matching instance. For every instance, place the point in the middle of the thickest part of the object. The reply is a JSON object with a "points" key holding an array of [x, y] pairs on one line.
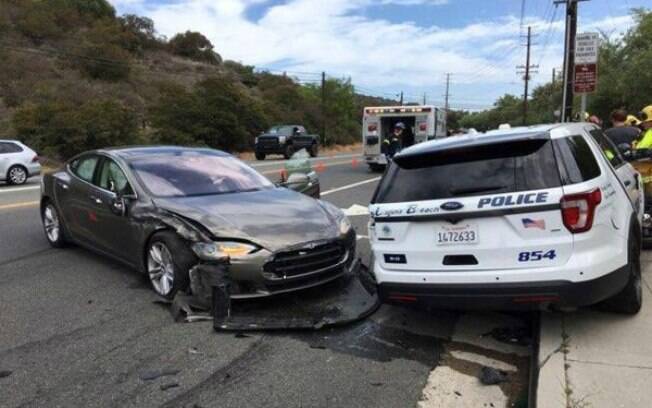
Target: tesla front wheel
{"points": [[168, 264]]}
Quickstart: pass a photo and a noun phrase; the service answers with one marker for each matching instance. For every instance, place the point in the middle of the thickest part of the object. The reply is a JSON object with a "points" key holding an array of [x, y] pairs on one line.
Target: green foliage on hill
{"points": [[75, 77]]}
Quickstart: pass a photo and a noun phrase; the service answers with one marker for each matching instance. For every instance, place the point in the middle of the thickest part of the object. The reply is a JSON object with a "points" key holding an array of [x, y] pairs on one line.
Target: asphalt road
{"points": [[80, 330]]}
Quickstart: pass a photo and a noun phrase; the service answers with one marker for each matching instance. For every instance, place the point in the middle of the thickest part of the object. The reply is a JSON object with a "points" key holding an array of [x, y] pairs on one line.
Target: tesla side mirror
{"points": [[626, 151]]}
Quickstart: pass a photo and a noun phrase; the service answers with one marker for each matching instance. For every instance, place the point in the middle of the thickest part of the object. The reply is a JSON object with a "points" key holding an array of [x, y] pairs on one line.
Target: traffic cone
{"points": [[354, 163], [284, 174], [319, 168]]}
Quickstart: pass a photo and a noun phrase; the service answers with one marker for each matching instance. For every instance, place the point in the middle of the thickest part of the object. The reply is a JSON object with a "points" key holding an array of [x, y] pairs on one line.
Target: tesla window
{"points": [[196, 173]]}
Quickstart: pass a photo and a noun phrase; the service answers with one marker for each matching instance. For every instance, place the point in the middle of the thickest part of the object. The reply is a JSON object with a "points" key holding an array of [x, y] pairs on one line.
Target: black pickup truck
{"points": [[285, 140]]}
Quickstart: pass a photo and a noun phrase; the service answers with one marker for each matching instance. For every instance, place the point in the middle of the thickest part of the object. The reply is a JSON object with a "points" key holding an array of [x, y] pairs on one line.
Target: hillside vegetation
{"points": [[75, 76]]}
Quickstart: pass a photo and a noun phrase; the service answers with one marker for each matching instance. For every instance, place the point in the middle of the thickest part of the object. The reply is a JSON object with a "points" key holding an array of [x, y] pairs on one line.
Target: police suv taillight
{"points": [[577, 210]]}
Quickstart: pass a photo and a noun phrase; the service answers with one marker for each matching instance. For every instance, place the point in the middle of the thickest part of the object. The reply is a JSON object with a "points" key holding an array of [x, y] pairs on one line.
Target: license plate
{"points": [[456, 234]]}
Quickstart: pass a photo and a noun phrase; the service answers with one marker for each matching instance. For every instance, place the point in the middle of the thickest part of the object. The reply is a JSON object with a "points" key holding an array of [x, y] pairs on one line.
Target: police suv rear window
{"points": [[520, 165], [576, 161]]}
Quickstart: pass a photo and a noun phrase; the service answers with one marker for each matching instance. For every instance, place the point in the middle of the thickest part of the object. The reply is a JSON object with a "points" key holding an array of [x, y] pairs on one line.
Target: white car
{"points": [[522, 218], [17, 162]]}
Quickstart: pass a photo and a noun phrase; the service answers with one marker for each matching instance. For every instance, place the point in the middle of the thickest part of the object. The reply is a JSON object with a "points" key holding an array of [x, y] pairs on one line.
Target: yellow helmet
{"points": [[646, 114], [632, 120]]}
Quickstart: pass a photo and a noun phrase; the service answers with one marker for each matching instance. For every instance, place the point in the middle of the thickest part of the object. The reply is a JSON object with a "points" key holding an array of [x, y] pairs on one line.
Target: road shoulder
{"points": [[596, 359]]}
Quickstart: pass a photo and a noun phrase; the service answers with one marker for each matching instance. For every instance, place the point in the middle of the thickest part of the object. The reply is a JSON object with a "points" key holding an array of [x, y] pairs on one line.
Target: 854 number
{"points": [[535, 256]]}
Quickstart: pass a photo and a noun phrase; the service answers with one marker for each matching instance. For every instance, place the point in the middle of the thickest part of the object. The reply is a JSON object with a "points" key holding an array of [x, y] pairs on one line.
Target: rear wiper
{"points": [[473, 190]]}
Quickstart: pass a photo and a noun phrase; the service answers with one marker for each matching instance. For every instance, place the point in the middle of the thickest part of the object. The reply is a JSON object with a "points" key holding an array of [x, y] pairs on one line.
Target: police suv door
{"points": [[628, 176]]}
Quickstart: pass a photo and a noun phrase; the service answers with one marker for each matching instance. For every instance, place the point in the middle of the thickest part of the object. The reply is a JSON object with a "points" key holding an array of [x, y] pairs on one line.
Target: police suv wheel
{"points": [[260, 156], [630, 299], [314, 150]]}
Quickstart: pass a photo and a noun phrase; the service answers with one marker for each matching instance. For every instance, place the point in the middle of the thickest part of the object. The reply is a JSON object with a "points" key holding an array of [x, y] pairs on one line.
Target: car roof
{"points": [[10, 141], [489, 137], [132, 152]]}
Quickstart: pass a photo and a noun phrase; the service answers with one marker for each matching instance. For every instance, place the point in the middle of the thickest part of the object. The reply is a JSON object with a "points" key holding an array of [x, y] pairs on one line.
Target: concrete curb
{"points": [[552, 381]]}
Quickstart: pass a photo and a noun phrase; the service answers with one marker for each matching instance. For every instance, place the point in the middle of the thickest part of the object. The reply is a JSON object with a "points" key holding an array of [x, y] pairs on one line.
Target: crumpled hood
{"points": [[274, 219]]}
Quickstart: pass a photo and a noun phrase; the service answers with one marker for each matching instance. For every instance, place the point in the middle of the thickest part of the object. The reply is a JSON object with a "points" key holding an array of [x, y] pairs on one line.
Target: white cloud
{"points": [[317, 35]]}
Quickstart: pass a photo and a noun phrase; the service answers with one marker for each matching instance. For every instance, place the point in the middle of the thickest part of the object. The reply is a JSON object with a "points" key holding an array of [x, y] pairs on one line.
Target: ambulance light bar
{"points": [[397, 110]]}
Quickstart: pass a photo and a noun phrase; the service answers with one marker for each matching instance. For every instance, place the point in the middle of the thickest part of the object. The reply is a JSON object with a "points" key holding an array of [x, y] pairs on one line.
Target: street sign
{"points": [[586, 48], [586, 77], [586, 62]]}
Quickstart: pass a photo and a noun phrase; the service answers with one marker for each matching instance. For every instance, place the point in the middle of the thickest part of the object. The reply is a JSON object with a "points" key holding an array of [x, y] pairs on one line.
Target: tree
{"points": [[195, 46], [214, 113], [61, 129], [138, 33]]}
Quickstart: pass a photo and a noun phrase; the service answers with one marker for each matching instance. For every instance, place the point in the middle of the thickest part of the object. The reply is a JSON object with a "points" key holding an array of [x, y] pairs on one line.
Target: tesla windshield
{"points": [[196, 173]]}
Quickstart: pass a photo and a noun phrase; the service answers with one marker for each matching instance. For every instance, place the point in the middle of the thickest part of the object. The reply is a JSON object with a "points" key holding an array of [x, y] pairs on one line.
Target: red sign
{"points": [[586, 78]]}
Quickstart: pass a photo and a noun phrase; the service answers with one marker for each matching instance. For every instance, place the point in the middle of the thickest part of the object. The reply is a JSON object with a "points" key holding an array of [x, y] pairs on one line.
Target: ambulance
{"points": [[424, 122]]}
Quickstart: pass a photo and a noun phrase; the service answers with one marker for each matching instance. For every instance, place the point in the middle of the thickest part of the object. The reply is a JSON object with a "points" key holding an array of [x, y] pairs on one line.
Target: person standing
{"points": [[620, 133], [646, 128]]}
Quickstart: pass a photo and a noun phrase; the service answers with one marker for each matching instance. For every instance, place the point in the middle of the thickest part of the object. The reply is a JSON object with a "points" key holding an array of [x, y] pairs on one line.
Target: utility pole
{"points": [[323, 106], [527, 68], [569, 57], [401, 100], [553, 77], [447, 94], [424, 98]]}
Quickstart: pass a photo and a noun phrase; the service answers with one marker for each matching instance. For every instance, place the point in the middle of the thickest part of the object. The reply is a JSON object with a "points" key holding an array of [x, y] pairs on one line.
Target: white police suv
{"points": [[520, 218]]}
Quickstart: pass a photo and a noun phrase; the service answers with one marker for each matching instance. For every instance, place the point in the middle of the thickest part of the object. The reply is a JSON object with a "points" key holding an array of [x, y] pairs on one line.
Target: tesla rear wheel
{"points": [[17, 175], [630, 299], [260, 156], [52, 226], [168, 263]]}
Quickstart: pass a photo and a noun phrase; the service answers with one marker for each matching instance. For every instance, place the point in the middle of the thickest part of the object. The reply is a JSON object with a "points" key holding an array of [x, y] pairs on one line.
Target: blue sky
{"points": [[388, 46]]}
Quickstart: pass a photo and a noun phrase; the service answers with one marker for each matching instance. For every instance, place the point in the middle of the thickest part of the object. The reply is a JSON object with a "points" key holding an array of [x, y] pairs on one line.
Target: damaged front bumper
{"points": [[343, 301]]}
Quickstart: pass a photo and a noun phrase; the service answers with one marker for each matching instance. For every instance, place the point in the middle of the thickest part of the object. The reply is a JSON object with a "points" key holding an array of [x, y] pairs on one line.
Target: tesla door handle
{"points": [[63, 185], [628, 183], [96, 200]]}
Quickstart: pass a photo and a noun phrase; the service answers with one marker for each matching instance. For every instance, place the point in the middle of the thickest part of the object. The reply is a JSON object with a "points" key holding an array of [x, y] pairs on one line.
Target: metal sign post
{"points": [[585, 77]]}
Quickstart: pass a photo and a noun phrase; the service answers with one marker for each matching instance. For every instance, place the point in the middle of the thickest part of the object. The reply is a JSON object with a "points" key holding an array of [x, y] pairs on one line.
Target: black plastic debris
{"points": [[342, 301], [511, 335], [150, 375], [492, 376], [5, 373], [167, 386]]}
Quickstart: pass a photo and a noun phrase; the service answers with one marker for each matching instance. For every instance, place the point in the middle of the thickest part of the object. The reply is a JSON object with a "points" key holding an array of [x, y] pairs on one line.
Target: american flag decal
{"points": [[530, 223]]}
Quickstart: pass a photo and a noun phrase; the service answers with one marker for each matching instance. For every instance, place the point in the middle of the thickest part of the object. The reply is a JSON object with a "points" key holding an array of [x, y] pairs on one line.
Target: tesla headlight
{"points": [[256, 140], [212, 251], [281, 139], [345, 225]]}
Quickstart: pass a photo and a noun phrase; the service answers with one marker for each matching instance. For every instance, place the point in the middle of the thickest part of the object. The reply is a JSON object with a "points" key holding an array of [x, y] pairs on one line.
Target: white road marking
{"points": [[15, 189], [363, 237], [356, 209], [314, 159], [326, 165], [349, 186]]}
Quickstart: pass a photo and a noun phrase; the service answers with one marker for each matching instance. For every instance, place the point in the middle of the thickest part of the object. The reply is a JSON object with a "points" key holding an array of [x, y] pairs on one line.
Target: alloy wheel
{"points": [[17, 175], [51, 223], [160, 268]]}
